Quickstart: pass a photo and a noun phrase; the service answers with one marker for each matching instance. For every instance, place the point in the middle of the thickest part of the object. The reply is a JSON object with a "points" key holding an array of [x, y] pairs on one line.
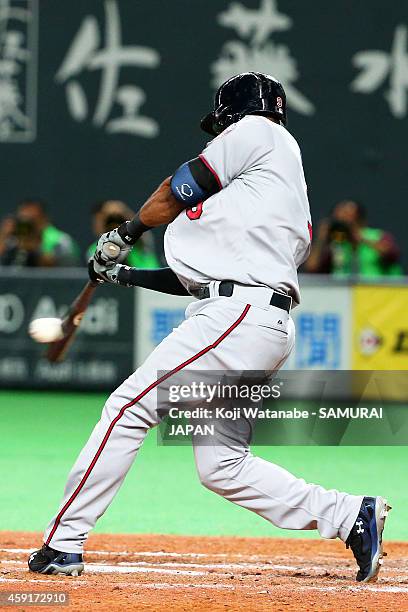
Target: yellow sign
{"points": [[380, 328]]}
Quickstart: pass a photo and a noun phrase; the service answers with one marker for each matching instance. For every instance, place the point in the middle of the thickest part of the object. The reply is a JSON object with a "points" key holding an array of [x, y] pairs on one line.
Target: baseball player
{"points": [[238, 227]]}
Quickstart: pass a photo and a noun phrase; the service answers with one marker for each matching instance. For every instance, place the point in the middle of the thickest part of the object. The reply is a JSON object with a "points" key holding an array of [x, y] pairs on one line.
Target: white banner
{"points": [[323, 326]]}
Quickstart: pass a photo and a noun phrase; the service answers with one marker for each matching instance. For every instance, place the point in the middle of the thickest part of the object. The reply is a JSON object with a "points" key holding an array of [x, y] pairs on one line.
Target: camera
{"points": [[339, 231], [114, 220], [24, 228]]}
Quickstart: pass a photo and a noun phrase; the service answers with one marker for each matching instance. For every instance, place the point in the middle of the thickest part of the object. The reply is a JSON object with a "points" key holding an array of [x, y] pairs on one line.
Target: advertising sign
{"points": [[102, 353], [380, 328], [323, 323]]}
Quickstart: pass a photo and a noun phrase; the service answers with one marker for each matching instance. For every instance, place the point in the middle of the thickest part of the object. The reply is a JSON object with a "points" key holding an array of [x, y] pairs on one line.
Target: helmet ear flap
{"points": [[217, 121], [207, 124], [223, 118]]}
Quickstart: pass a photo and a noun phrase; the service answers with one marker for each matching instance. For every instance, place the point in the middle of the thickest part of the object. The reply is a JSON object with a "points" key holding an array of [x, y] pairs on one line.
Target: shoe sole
{"points": [[381, 512], [75, 569]]}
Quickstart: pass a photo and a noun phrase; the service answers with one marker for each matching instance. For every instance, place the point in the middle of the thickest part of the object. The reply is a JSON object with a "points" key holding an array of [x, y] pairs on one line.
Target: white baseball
{"points": [[46, 330]]}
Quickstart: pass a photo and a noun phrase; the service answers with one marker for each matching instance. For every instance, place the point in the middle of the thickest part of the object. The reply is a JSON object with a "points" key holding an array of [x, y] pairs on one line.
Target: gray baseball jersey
{"points": [[256, 229]]}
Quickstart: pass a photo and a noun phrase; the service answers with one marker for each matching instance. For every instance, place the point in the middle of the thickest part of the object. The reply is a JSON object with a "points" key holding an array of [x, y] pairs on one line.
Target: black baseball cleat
{"points": [[50, 561], [365, 539]]}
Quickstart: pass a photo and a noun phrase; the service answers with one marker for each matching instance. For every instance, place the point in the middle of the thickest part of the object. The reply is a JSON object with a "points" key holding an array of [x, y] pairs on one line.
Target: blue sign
{"points": [[163, 322], [319, 341]]}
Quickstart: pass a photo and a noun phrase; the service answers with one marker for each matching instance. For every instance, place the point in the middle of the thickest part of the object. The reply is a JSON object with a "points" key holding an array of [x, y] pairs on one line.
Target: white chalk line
{"points": [[267, 565], [233, 566], [174, 564], [209, 566], [230, 566], [177, 566], [252, 566], [116, 569]]}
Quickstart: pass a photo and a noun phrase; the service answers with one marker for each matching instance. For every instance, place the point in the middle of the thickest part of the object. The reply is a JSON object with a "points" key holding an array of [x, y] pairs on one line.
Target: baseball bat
{"points": [[70, 323]]}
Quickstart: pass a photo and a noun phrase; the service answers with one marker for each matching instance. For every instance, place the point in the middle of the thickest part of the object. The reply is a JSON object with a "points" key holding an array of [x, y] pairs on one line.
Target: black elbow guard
{"points": [[204, 176]]}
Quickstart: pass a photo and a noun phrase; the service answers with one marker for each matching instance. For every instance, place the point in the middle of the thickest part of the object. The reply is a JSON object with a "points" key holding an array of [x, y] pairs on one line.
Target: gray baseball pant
{"points": [[219, 333]]}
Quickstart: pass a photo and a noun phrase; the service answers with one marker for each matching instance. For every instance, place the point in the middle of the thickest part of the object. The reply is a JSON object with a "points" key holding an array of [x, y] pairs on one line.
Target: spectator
{"points": [[31, 240], [22, 242], [112, 213], [345, 245]]}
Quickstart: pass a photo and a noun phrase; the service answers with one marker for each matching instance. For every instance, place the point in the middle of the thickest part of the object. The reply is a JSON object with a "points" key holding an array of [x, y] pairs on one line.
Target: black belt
{"points": [[226, 289]]}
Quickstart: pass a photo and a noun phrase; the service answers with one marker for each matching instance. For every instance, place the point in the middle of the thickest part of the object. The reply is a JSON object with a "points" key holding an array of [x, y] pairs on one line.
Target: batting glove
{"points": [[94, 277], [118, 275], [119, 237]]}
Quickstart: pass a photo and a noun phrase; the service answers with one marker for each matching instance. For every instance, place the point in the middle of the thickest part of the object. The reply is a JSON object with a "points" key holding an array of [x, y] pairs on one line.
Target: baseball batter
{"points": [[238, 227]]}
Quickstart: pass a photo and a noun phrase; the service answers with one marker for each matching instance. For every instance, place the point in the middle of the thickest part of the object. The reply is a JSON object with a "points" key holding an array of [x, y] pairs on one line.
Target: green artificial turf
{"points": [[42, 433]]}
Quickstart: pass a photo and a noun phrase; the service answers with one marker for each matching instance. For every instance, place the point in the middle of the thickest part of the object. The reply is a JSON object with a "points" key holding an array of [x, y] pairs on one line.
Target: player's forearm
{"points": [[160, 209], [169, 199], [162, 279], [163, 206]]}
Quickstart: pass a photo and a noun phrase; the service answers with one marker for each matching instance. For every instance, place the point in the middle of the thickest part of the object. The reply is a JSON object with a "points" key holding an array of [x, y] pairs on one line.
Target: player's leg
{"points": [[128, 414], [226, 465]]}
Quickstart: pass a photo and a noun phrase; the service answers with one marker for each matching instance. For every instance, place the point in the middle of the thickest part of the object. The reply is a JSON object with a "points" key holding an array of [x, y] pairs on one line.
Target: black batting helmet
{"points": [[249, 93]]}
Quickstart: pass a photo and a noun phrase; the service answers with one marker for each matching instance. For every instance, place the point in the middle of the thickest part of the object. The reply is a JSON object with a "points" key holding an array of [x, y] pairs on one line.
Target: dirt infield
{"points": [[185, 573]]}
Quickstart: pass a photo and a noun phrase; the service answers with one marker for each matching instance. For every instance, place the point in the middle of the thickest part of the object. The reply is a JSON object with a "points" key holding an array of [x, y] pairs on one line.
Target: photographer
{"points": [[345, 245], [110, 214], [21, 245], [30, 239]]}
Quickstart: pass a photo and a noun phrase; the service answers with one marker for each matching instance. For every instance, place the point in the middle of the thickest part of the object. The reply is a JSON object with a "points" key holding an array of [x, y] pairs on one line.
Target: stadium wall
{"points": [[100, 119], [340, 326]]}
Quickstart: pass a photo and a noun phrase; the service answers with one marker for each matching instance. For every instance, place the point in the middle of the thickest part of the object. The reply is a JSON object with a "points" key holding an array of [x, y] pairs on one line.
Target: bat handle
{"points": [[112, 251]]}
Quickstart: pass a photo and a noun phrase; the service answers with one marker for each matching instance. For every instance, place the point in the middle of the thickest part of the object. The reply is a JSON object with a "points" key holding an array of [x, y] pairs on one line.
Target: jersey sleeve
{"points": [[238, 149]]}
